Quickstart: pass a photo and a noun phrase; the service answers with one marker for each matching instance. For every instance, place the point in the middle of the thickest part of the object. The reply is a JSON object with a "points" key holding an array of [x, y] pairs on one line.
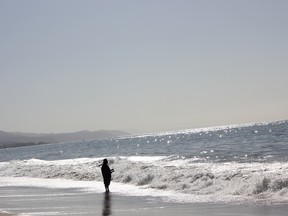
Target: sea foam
{"points": [[175, 178]]}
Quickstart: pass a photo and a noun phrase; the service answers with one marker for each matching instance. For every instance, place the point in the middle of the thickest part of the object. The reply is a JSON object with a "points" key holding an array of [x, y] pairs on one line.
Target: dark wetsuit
{"points": [[106, 173]]}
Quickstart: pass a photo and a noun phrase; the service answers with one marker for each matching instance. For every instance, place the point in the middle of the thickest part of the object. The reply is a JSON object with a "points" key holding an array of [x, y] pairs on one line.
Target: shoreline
{"points": [[26, 201]]}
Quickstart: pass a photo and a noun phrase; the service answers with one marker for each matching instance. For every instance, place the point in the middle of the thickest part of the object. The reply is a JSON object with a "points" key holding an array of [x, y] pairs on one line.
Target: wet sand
{"points": [[5, 214], [28, 201]]}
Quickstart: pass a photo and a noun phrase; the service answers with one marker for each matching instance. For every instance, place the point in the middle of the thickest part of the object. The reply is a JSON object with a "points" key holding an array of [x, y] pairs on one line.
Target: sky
{"points": [[141, 66]]}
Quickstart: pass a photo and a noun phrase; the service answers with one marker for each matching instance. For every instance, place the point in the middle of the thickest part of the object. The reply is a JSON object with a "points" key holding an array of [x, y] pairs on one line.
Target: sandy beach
{"points": [[28, 201]]}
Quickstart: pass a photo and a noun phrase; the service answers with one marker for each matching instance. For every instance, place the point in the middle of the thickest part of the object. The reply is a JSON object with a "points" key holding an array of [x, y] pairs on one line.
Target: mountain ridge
{"points": [[17, 139]]}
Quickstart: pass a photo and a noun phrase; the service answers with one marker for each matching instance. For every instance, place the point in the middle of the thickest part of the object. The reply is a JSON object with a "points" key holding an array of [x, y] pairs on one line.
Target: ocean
{"points": [[229, 164]]}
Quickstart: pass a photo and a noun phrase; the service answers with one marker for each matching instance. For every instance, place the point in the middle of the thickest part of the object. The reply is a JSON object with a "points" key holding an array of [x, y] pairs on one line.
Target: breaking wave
{"points": [[257, 181]]}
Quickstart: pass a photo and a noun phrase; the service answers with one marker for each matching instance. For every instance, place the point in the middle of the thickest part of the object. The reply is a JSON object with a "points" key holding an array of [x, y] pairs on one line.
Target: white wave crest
{"points": [[218, 181]]}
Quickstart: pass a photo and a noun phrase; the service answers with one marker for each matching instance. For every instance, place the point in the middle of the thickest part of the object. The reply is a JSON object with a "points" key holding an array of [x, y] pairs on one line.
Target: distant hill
{"points": [[13, 139]]}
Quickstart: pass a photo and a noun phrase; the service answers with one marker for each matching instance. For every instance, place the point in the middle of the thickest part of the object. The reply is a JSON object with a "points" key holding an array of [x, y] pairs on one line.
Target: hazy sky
{"points": [[141, 66]]}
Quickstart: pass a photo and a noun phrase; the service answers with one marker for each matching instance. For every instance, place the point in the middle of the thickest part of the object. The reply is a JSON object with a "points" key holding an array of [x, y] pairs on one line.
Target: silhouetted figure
{"points": [[106, 173]]}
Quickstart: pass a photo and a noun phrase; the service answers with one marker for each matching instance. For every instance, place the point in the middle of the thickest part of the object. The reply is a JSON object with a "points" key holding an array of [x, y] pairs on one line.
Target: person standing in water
{"points": [[106, 173]]}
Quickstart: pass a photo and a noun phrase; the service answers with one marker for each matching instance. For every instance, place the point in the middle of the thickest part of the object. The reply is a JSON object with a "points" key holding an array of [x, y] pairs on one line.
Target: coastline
{"points": [[28, 201]]}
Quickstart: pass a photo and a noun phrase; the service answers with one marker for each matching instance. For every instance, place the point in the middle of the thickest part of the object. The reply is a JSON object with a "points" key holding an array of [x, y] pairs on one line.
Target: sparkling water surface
{"points": [[242, 143], [239, 163]]}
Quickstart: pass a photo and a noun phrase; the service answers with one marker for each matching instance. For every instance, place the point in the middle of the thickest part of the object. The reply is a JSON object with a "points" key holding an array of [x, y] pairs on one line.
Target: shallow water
{"points": [[243, 162], [29, 201]]}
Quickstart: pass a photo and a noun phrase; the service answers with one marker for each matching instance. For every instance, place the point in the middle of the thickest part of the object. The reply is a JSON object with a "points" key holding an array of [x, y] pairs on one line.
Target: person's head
{"points": [[105, 161]]}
